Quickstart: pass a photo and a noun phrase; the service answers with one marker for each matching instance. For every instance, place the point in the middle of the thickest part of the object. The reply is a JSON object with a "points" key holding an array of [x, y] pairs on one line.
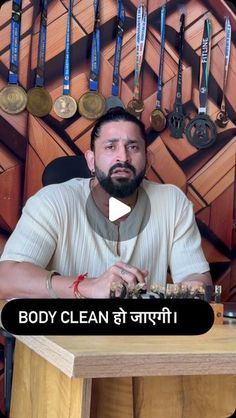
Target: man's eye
{"points": [[109, 147], [133, 147]]}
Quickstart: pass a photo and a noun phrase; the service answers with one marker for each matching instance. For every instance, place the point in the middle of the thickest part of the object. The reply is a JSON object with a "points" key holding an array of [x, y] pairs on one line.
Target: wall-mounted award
{"points": [[114, 100], [13, 98], [136, 105], [222, 117], [91, 104], [176, 118], [65, 105], [39, 100], [157, 117], [201, 130]]}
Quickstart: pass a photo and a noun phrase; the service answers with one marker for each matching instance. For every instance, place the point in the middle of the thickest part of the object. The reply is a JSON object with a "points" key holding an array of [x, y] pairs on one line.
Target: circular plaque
{"points": [[13, 99], [112, 102], [91, 105], [39, 102], [222, 119], [158, 120], [201, 131], [65, 106], [135, 107]]}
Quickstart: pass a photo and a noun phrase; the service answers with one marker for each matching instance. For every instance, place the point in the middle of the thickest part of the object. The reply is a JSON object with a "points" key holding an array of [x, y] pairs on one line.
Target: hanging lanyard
{"points": [[222, 118], [178, 98], [141, 28], [201, 130], [95, 54], [227, 50], [39, 82], [15, 41], [65, 106], [160, 76], [119, 37], [176, 119], [66, 73], [204, 70]]}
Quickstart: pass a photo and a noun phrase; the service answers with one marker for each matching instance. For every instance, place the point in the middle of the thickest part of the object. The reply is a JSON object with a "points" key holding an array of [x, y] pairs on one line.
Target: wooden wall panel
{"points": [[207, 176], [11, 176]]}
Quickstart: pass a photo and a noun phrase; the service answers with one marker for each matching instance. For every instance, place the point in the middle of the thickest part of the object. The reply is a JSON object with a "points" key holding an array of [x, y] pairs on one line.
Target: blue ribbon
{"points": [[39, 82], [66, 84], [119, 37], [95, 53], [15, 41], [160, 76]]}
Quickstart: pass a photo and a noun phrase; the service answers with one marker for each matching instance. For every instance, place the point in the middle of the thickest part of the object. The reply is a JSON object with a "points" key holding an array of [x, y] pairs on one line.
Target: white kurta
{"points": [[53, 232]]}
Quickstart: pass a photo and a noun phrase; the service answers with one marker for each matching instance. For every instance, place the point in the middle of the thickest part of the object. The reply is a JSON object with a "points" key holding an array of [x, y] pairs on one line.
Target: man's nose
{"points": [[123, 154]]}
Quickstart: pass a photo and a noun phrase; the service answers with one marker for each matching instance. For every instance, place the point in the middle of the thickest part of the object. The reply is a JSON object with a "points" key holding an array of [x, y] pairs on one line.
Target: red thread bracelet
{"points": [[76, 283]]}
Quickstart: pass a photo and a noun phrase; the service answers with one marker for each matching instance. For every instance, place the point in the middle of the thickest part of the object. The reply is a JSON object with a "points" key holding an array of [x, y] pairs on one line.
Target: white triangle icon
{"points": [[117, 209]]}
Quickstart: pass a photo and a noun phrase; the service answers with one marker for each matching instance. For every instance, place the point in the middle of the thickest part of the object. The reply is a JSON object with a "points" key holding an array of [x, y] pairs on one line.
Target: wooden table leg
{"points": [[40, 390]]}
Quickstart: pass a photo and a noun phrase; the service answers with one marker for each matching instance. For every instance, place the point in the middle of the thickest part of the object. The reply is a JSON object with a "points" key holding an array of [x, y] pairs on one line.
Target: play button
{"points": [[117, 209], [113, 227]]}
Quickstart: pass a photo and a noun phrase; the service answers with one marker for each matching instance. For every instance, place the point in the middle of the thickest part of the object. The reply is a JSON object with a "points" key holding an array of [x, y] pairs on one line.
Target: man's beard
{"points": [[119, 187]]}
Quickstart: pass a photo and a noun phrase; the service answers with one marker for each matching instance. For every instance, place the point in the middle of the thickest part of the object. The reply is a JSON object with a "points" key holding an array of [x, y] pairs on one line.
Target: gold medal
{"points": [[13, 99], [135, 107], [158, 120], [39, 102], [91, 105], [65, 106]]}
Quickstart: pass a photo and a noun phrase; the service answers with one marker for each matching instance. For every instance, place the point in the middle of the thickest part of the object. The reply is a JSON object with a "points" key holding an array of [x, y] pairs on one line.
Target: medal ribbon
{"points": [[119, 37], [227, 58], [178, 98], [205, 64], [95, 54], [39, 82], [15, 41], [160, 75], [141, 28], [66, 83]]}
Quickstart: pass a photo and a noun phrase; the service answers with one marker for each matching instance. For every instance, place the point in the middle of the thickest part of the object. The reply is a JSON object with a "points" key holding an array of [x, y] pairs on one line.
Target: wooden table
{"points": [[126, 377]]}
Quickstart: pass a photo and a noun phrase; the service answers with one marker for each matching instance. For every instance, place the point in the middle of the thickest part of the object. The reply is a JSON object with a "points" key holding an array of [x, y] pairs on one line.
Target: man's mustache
{"points": [[121, 165]]}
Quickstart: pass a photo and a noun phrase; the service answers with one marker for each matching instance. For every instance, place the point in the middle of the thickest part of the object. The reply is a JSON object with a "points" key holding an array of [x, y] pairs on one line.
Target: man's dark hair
{"points": [[116, 115]]}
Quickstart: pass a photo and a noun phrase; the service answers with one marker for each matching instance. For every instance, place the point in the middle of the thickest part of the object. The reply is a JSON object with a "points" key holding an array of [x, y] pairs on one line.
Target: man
{"points": [[55, 232]]}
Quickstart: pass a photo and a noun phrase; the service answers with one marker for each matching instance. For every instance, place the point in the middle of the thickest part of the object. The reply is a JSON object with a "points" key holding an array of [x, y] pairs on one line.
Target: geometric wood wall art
{"points": [[207, 176]]}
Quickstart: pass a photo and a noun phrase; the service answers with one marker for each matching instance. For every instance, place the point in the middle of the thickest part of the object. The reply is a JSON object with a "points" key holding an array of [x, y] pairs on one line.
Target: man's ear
{"points": [[150, 160], [89, 156]]}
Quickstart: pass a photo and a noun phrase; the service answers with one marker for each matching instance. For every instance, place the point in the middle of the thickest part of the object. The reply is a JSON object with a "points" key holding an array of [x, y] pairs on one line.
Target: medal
{"points": [[201, 130], [13, 98], [176, 118], [39, 100], [114, 101], [158, 120], [136, 105], [157, 117], [65, 106], [222, 117], [91, 105]]}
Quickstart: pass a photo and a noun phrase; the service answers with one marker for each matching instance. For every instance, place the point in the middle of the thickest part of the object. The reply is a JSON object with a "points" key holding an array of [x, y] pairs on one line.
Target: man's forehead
{"points": [[120, 130]]}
